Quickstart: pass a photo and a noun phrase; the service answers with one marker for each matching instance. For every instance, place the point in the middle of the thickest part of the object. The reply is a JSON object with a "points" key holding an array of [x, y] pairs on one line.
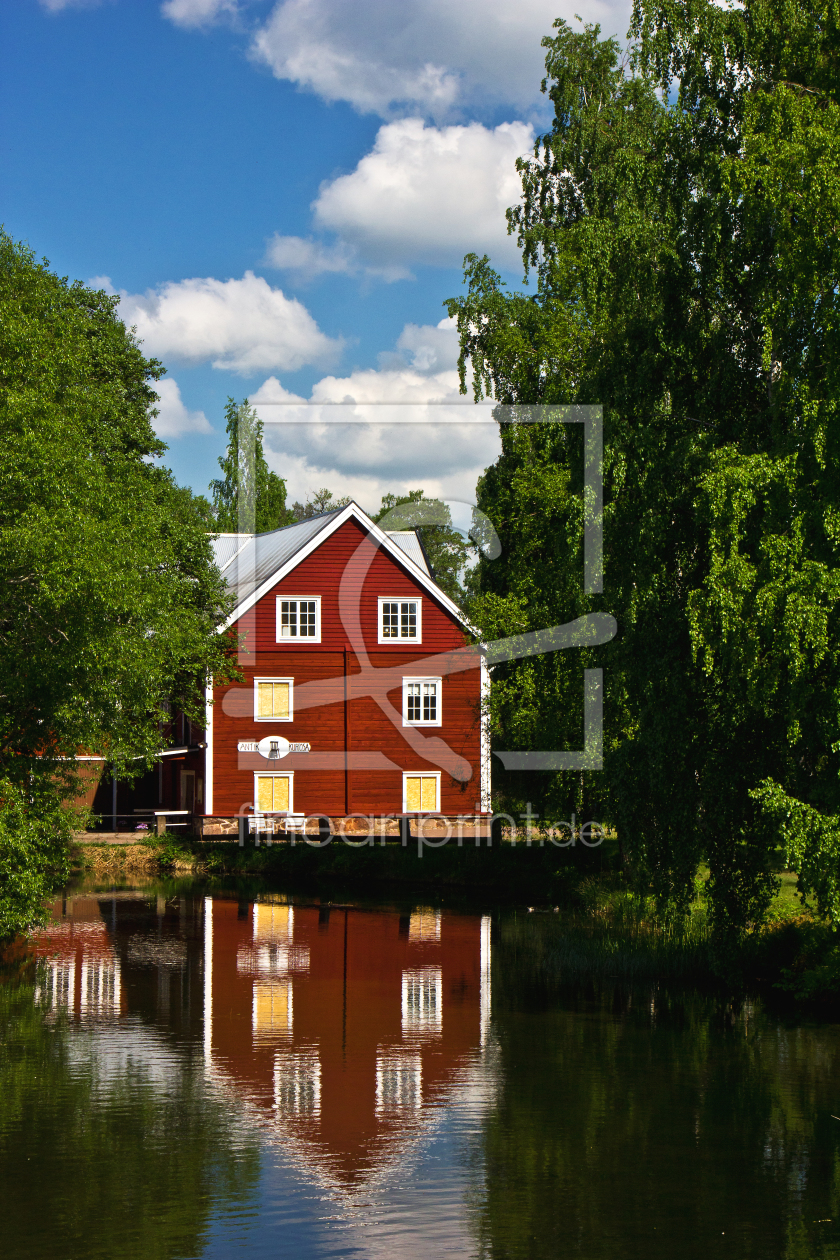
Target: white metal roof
{"points": [[248, 560], [407, 541]]}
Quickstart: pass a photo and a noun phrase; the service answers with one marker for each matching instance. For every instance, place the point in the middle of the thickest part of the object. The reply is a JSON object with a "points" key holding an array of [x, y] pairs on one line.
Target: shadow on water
{"points": [[111, 1143], [641, 1118]]}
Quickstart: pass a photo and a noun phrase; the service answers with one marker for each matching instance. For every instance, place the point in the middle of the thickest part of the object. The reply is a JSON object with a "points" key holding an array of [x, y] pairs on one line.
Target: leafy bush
{"points": [[35, 832]]}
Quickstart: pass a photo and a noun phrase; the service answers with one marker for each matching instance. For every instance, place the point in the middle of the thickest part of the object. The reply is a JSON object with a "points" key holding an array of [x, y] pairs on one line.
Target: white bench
{"points": [[260, 824]]}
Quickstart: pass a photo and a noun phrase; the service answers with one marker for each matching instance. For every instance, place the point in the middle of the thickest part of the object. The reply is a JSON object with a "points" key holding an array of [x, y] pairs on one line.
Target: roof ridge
{"points": [[316, 516]]}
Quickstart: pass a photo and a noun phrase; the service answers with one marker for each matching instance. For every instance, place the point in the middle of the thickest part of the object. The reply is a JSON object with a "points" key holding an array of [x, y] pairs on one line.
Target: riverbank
{"points": [[510, 873]]}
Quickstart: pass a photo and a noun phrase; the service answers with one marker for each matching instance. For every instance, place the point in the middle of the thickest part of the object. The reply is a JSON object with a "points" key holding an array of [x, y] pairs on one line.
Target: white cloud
{"points": [[307, 257], [174, 419], [239, 325], [422, 195], [58, 6], [427, 348], [430, 56], [406, 426], [102, 282], [196, 13]]}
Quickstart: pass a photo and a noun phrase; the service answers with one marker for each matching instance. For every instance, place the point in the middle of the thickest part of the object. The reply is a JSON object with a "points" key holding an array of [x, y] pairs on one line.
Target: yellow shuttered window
{"points": [[421, 793], [273, 699], [272, 793]]}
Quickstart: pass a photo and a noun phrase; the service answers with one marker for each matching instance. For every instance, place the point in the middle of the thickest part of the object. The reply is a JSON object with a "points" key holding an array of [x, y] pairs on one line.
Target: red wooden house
{"points": [[359, 697]]}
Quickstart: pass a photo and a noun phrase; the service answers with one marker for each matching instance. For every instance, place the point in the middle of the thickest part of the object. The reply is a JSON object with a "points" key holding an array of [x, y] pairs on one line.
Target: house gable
{"points": [[321, 574], [313, 539]]}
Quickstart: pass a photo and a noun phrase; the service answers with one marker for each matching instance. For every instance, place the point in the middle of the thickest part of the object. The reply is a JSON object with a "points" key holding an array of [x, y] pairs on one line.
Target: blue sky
{"points": [[282, 192]]}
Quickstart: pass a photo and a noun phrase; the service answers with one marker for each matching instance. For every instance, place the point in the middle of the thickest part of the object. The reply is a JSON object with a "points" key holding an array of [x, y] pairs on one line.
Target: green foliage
{"points": [[110, 602], [248, 498], [169, 850], [812, 845], [687, 263], [445, 548], [813, 978], [34, 834]]}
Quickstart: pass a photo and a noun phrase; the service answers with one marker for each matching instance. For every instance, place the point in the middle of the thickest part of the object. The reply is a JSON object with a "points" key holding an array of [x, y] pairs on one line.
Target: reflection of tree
{"points": [[648, 1125], [103, 1155]]}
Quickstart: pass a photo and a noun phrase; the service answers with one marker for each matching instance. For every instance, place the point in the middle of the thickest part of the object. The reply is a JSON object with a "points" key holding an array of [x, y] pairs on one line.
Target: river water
{"points": [[258, 1074]]}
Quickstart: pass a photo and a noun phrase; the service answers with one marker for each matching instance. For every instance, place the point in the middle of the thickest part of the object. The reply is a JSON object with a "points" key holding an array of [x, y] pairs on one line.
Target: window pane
{"points": [[390, 621], [307, 618], [413, 690], [408, 621], [412, 793], [265, 799], [430, 702], [429, 794], [264, 699], [281, 700], [281, 793], [288, 619]]}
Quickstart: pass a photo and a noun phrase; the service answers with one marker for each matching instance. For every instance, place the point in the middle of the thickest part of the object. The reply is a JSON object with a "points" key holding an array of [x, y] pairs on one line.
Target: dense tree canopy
{"points": [[110, 602], [681, 220]]}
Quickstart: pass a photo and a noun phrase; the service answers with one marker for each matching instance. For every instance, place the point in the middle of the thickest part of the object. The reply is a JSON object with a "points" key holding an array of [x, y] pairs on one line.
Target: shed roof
{"points": [[407, 541]]}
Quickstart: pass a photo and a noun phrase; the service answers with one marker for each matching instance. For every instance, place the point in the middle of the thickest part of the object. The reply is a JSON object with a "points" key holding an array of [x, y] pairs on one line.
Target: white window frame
{"points": [[400, 599], [288, 774], [291, 716], [422, 774], [437, 721], [299, 639]]}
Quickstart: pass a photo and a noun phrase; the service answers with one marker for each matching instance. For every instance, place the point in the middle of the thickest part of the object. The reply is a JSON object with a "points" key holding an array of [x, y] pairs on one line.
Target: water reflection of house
{"points": [[81, 971], [341, 1028], [344, 1023]]}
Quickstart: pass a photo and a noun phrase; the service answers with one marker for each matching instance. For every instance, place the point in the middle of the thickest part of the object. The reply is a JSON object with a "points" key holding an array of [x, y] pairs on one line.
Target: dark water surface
{"points": [[185, 1075]]}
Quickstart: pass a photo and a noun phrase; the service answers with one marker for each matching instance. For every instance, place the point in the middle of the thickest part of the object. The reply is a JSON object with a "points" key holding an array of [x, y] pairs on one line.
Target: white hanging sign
{"points": [[272, 747]]}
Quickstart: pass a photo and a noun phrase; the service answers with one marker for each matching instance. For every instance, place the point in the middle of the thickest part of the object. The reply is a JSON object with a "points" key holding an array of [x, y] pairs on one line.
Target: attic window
{"points": [[399, 619], [299, 619]]}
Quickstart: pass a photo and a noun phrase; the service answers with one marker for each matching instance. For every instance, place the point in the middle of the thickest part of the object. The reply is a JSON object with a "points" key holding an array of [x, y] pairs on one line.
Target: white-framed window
{"points": [[299, 618], [273, 699], [274, 793], [421, 702], [421, 792], [400, 620]]}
